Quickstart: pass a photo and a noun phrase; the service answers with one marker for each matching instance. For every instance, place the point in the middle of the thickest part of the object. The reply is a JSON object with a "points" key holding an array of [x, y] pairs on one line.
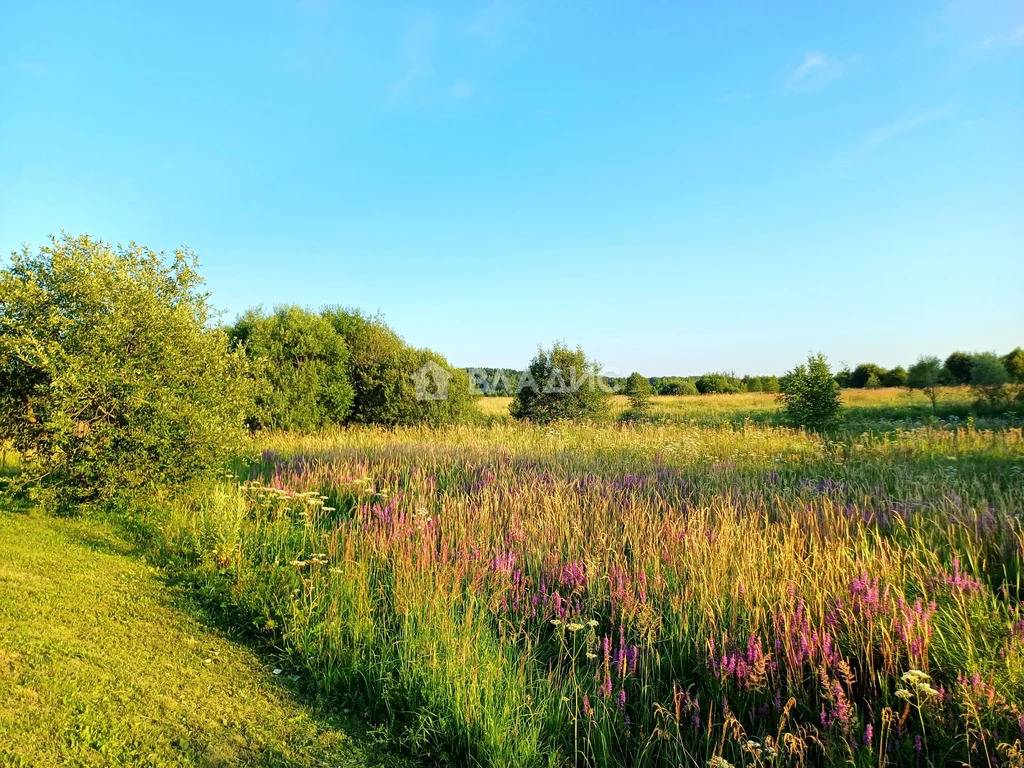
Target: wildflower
{"points": [[574, 627], [869, 734]]}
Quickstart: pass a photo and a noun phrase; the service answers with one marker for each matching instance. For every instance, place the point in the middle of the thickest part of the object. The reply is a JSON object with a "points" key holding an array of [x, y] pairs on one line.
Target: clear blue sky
{"points": [[678, 186]]}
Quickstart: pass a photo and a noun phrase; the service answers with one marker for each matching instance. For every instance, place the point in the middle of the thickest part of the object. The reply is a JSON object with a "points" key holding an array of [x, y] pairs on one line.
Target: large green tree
{"points": [[304, 365], [926, 375], [560, 383], [394, 383], [112, 379]]}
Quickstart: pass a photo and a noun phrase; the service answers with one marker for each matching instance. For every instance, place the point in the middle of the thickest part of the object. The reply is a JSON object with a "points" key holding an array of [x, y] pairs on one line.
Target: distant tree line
{"points": [[504, 382], [959, 369]]}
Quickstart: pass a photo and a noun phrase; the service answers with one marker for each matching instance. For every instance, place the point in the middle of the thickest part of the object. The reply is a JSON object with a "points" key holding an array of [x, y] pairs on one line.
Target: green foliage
{"points": [[810, 396], [382, 368], [304, 362], [110, 376], [717, 383], [957, 368], [638, 390], [863, 373], [926, 375], [560, 383], [897, 377], [1014, 364], [674, 385], [494, 382], [844, 376], [989, 378]]}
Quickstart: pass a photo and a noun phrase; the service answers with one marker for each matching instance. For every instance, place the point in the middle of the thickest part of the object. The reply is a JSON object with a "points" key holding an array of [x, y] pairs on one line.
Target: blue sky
{"points": [[679, 187]]}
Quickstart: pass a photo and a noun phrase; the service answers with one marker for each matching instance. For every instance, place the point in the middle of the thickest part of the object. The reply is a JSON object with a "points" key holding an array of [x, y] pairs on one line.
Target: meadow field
{"points": [[708, 590], [865, 409]]}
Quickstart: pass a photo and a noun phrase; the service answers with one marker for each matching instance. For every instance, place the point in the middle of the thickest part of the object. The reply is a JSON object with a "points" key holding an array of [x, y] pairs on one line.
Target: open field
{"points": [[642, 595], [100, 665], [866, 408]]}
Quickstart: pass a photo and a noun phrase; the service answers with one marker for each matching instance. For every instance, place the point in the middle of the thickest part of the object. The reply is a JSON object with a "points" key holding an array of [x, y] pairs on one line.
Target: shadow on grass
{"points": [[182, 593]]}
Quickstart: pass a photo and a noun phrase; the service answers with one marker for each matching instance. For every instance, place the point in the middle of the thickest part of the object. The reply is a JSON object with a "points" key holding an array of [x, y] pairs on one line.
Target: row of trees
{"points": [[341, 366], [115, 378], [504, 382], [959, 369]]}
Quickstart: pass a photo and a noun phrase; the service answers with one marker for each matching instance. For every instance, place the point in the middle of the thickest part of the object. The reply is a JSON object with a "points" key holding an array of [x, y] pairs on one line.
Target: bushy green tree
{"points": [[638, 390], [1014, 363], [926, 375], [675, 385], [957, 368], [111, 377], [989, 378], [810, 395], [717, 383], [304, 363], [895, 377], [385, 376], [770, 384], [863, 373], [560, 383]]}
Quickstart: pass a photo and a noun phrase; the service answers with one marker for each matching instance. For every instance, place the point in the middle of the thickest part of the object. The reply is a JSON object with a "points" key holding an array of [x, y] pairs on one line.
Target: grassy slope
{"points": [[99, 666]]}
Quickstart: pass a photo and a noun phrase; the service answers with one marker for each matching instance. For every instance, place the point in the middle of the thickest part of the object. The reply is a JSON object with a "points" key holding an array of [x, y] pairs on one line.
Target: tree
{"points": [[638, 390], [926, 375], [896, 377], [110, 374], [873, 382], [810, 396], [304, 363], [560, 383], [958, 368], [989, 377], [394, 383], [843, 377], [717, 383], [1014, 363], [862, 374]]}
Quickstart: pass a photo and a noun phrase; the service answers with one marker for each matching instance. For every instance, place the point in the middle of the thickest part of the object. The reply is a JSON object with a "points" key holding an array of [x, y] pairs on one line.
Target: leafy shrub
{"points": [[383, 371], [717, 383], [896, 377], [926, 375], [304, 362], [560, 383], [810, 396], [867, 375], [638, 390], [110, 376], [674, 385], [1014, 364], [957, 368], [989, 378]]}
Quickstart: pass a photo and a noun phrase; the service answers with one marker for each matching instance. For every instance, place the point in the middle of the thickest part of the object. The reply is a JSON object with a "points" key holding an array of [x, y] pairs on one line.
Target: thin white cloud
{"points": [[417, 53], [488, 25], [1013, 37], [815, 71], [903, 125]]}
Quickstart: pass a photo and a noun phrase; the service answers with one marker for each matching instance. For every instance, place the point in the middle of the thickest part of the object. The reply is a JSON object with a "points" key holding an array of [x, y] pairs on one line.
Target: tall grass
{"points": [[645, 595]]}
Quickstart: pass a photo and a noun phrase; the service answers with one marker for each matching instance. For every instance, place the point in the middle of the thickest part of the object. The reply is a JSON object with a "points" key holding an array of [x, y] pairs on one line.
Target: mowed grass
{"points": [[101, 666]]}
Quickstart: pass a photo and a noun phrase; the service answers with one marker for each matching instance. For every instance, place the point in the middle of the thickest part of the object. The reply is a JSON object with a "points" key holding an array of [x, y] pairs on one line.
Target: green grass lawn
{"points": [[102, 664]]}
